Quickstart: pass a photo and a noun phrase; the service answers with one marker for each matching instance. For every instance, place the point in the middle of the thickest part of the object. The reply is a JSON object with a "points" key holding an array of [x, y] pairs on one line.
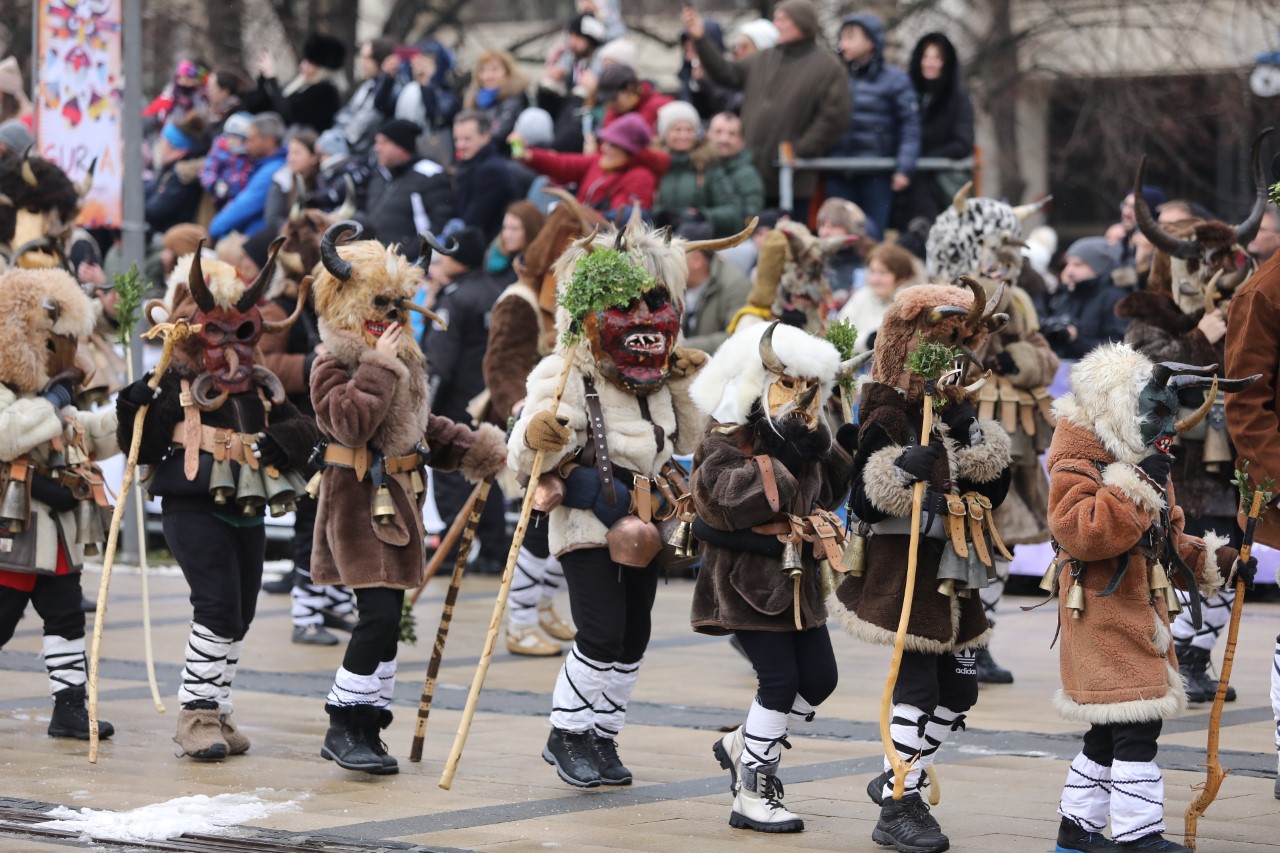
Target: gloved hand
{"points": [[269, 452], [1002, 364], [847, 437], [962, 420], [139, 393], [686, 361], [1245, 572], [52, 493], [1156, 466], [793, 444], [547, 432], [917, 461], [794, 317]]}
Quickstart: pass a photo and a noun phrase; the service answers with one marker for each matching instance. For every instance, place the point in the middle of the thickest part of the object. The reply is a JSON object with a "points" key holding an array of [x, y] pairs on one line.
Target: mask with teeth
{"points": [[1157, 413], [632, 344]]}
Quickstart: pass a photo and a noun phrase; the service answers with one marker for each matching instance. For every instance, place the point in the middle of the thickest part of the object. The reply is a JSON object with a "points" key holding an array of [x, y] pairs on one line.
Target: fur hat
{"points": [[1105, 386], [622, 51], [402, 133], [183, 239], [954, 247], [630, 132], [845, 214], [735, 378], [26, 322], [675, 112], [324, 51]]}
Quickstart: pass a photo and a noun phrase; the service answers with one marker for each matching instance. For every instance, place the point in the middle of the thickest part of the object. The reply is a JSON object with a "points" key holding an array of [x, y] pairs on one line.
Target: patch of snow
{"points": [[162, 821]]}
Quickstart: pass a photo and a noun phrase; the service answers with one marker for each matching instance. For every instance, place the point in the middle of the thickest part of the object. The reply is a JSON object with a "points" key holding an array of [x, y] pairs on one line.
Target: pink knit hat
{"points": [[629, 132]]}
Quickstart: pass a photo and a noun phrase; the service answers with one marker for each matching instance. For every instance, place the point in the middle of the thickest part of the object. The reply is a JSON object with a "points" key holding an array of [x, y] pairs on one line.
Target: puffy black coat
{"points": [[1091, 308], [885, 122], [484, 188], [455, 359], [946, 112], [389, 205]]}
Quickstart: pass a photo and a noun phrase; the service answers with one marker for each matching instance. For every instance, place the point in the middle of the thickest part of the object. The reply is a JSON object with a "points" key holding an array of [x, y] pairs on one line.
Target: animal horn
{"points": [[723, 242], [51, 308], [1247, 230], [587, 243], [87, 183], [972, 387], [636, 219], [269, 381], [577, 208], [620, 241], [196, 283], [973, 357], [5, 201], [28, 174], [296, 214], [938, 314], [428, 243], [406, 305], [254, 292], [1026, 211], [961, 199], [768, 356], [975, 313], [1193, 420], [996, 322], [270, 327], [200, 389], [348, 208], [1161, 239], [333, 262], [851, 366]]}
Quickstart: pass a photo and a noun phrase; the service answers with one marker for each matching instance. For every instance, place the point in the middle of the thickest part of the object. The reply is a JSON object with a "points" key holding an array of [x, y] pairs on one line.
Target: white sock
{"points": [[1137, 800], [351, 689], [64, 661], [577, 692], [611, 707], [906, 727], [942, 722], [307, 602], [764, 735], [1086, 797], [1275, 690], [1216, 612], [205, 665], [339, 599], [229, 675], [386, 673], [801, 711], [522, 603]]}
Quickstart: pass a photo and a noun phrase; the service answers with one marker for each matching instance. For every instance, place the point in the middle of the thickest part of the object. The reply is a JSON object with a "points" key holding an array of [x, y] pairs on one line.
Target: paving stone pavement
{"points": [[1000, 779]]}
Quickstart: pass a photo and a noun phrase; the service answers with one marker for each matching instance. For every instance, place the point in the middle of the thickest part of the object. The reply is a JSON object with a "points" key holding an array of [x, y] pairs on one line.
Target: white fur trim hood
{"points": [[1105, 385]]}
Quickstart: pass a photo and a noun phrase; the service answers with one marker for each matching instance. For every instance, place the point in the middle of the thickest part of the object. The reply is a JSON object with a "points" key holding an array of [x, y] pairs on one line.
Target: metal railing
{"points": [[789, 164]]}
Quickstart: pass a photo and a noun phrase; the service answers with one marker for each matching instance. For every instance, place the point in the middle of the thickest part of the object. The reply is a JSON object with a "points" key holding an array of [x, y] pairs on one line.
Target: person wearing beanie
{"points": [[1082, 314], [694, 181], [623, 172], [753, 37], [359, 118], [794, 92], [14, 138], [228, 167], [184, 94], [174, 196], [407, 195], [455, 377], [622, 51], [622, 92], [883, 98], [568, 76], [311, 98]]}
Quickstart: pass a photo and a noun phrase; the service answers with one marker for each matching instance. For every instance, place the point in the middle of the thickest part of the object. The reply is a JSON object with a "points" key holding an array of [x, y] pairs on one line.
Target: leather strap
{"points": [[224, 444], [659, 435], [1027, 411], [1008, 405], [977, 532], [359, 458], [1045, 401], [188, 434], [829, 534], [777, 527], [643, 499], [600, 447], [985, 503], [988, 395], [769, 481], [956, 513]]}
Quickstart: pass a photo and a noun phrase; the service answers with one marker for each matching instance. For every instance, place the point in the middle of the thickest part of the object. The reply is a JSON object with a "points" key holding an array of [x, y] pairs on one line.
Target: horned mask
{"points": [[38, 209], [43, 313]]}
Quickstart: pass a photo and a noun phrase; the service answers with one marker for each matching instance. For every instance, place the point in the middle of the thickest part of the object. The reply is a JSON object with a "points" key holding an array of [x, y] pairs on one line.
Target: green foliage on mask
{"points": [[603, 279]]}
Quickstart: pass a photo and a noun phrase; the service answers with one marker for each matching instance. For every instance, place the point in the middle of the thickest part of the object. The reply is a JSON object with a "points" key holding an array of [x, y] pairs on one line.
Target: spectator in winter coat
{"points": [[174, 195], [696, 87], [793, 92], [498, 90], [716, 290], [482, 182], [301, 161], [243, 212], [694, 183], [946, 128], [421, 91], [222, 91], [746, 190], [359, 119], [407, 196], [562, 87], [227, 168], [184, 94], [312, 97], [336, 165], [1082, 314], [838, 217], [520, 225], [886, 124], [889, 269], [622, 92], [620, 173]]}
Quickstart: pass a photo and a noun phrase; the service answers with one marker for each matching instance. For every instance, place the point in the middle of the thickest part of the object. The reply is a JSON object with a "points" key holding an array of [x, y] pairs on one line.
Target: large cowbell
{"points": [[962, 573]]}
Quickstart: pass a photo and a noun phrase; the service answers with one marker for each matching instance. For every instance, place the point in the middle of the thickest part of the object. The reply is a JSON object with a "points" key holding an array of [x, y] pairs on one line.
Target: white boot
{"points": [[758, 802], [728, 751]]}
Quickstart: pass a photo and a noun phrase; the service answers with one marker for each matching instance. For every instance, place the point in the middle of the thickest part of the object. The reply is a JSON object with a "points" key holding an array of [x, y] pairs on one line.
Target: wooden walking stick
{"points": [[446, 544], [482, 669], [1214, 771], [471, 517], [172, 333]]}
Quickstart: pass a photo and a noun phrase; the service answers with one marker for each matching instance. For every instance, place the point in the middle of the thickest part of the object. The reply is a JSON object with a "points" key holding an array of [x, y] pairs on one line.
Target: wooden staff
{"points": [[172, 333], [140, 510], [900, 767], [477, 683], [447, 543], [471, 517], [1214, 771]]}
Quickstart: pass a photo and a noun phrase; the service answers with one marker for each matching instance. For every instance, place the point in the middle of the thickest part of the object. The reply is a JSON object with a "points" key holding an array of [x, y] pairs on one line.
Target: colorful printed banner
{"points": [[79, 97]]}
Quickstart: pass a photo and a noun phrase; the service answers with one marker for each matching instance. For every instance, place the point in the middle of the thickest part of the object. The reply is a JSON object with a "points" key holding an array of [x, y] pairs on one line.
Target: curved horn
{"points": [[270, 327], [428, 243], [636, 219], [1163, 371], [972, 387], [5, 201], [406, 305], [269, 382], [620, 241], [254, 291], [587, 243], [942, 312], [851, 366], [348, 208], [39, 244], [333, 262], [723, 242], [28, 174], [87, 183], [996, 322], [577, 208], [196, 283], [1248, 229], [973, 357], [768, 356], [51, 308], [1026, 211], [200, 393], [296, 214], [975, 312], [1161, 239], [1193, 420], [149, 310], [961, 199]]}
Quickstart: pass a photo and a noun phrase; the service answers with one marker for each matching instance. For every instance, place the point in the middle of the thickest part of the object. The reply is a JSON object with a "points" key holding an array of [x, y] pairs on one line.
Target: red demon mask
{"points": [[632, 344]]}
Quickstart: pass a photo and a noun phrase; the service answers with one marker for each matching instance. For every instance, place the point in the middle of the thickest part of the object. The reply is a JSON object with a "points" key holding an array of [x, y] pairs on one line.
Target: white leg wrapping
{"points": [[308, 602], [1086, 797], [577, 692], [801, 711], [1216, 613], [1275, 690], [611, 707], [522, 604], [206, 662], [994, 590], [552, 580], [228, 676], [386, 673], [351, 689], [942, 722], [64, 660], [764, 735], [339, 599], [906, 727], [1137, 800]]}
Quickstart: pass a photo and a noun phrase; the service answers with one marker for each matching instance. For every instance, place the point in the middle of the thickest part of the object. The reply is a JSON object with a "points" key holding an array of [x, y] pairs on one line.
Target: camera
{"points": [[1055, 328]]}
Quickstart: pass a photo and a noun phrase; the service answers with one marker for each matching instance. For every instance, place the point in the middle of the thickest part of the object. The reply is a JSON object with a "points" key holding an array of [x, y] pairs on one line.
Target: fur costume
{"points": [[791, 279], [38, 207]]}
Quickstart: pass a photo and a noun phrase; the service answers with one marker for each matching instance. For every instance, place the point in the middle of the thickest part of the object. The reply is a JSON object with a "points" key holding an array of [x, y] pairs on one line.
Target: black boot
{"points": [[1072, 838], [907, 826], [610, 767], [990, 672], [390, 766], [1193, 664], [572, 755], [875, 788], [283, 586], [71, 717], [1154, 843], [347, 741]]}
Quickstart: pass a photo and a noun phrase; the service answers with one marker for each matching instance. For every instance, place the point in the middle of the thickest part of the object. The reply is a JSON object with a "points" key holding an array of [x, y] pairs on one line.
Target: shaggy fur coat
{"points": [[738, 589], [362, 396], [869, 606]]}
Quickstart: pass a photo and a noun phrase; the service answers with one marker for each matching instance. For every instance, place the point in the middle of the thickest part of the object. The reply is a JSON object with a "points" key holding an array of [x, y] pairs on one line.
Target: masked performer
{"points": [[625, 411], [370, 396], [53, 495], [966, 467], [221, 437], [768, 470], [38, 209], [1121, 544]]}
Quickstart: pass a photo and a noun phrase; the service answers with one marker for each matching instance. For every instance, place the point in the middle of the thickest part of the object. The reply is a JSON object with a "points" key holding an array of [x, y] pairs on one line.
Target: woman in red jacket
{"points": [[622, 172]]}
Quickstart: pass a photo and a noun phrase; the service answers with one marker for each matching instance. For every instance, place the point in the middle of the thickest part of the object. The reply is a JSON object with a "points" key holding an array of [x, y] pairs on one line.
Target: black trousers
{"points": [[452, 491], [304, 531], [1122, 742], [928, 680], [223, 567], [376, 635], [56, 599], [788, 663], [610, 604]]}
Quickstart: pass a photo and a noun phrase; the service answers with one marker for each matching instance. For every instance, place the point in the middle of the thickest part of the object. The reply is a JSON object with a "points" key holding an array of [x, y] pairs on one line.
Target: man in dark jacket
{"points": [[407, 196], [793, 92], [455, 376], [740, 175], [482, 181], [887, 124], [1082, 314]]}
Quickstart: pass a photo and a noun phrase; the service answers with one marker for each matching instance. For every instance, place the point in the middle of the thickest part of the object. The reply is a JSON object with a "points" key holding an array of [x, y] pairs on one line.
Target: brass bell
{"points": [[250, 493], [221, 484], [384, 508], [854, 556], [1171, 602], [791, 562], [89, 529], [682, 538], [281, 496], [1157, 579], [1075, 600], [415, 480], [1050, 577], [15, 509], [313, 485]]}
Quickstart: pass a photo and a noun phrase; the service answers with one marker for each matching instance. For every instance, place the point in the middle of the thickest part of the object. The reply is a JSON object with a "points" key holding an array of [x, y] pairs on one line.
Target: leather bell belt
{"points": [[359, 458], [970, 519]]}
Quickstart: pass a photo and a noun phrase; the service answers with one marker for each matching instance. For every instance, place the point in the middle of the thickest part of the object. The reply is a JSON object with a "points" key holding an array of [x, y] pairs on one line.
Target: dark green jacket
{"points": [[745, 195]]}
